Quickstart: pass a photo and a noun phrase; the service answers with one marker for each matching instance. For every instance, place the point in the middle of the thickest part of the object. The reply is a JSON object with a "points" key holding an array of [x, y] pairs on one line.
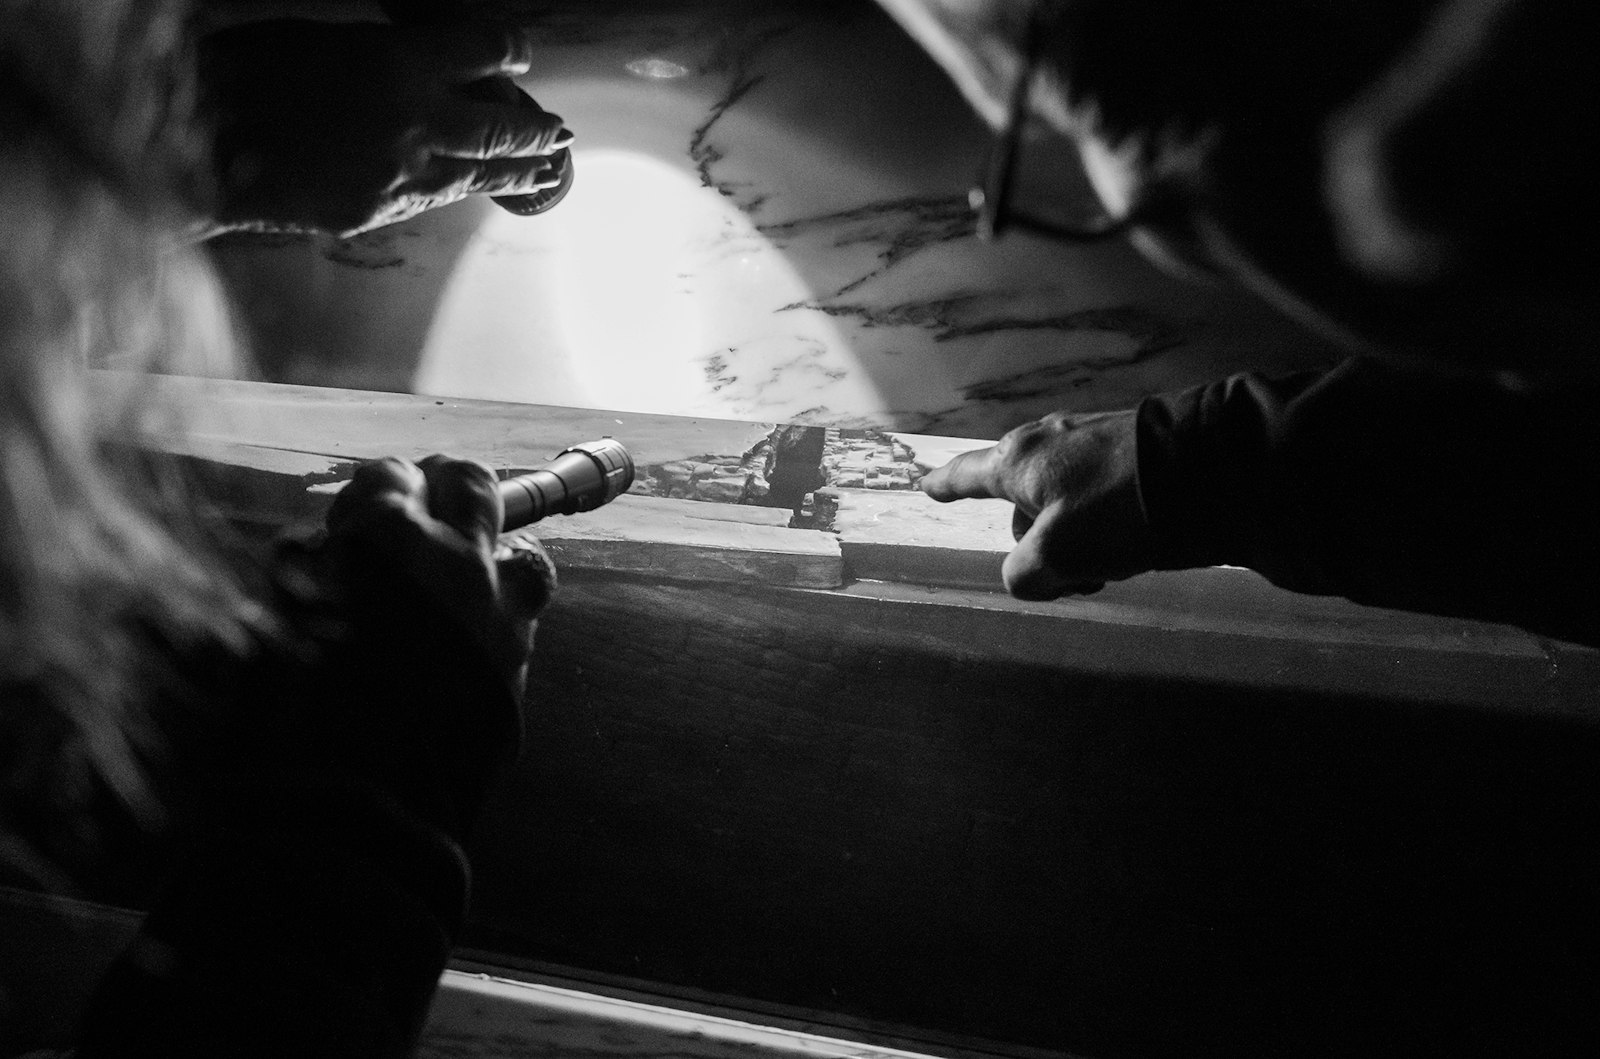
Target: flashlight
{"points": [[580, 478]]}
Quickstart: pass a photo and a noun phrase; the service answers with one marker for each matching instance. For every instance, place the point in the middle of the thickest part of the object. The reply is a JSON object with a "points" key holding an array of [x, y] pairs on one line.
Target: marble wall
{"points": [[769, 222]]}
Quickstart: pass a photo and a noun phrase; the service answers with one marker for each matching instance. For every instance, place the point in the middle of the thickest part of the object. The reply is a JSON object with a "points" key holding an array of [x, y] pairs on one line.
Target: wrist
{"points": [[1200, 464]]}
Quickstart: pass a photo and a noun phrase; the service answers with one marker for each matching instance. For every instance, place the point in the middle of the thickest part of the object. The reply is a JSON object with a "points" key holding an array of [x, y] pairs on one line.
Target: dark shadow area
{"points": [[724, 793], [321, 311]]}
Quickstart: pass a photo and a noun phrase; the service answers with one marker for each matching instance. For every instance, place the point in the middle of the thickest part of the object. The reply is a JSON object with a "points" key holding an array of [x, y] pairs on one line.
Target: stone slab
{"points": [[904, 536]]}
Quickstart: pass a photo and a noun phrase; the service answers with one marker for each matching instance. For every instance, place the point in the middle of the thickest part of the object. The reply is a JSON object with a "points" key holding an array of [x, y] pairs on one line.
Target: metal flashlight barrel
{"points": [[580, 478]]}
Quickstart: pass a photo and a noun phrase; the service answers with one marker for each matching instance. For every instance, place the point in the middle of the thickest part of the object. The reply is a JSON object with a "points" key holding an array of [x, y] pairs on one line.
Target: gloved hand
{"points": [[345, 127], [1074, 479], [421, 619]]}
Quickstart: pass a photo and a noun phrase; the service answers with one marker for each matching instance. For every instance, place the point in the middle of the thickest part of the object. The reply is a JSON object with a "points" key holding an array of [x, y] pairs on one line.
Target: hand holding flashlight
{"points": [[419, 613]]}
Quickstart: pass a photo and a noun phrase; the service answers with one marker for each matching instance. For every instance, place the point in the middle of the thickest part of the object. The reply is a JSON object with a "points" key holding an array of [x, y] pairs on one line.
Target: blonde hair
{"points": [[101, 173]]}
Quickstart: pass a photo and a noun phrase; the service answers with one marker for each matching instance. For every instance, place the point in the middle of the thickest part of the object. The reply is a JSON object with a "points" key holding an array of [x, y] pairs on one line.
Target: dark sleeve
{"points": [[1396, 485], [316, 922], [319, 880]]}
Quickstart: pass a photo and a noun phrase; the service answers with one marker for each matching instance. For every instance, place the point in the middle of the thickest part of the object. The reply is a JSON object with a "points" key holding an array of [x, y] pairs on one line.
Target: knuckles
{"points": [[1058, 422], [1025, 441], [1018, 442], [471, 473], [389, 473], [1027, 459]]}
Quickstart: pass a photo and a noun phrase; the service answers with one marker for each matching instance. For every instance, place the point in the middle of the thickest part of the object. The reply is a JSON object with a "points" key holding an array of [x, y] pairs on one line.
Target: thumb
{"points": [[1033, 569]]}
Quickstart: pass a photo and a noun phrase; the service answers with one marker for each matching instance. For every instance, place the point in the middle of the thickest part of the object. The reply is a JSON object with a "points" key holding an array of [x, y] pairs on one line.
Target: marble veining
{"points": [[769, 223]]}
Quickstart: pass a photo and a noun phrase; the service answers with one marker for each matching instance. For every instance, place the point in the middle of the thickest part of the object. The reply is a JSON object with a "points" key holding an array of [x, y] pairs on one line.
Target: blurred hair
{"points": [[101, 174]]}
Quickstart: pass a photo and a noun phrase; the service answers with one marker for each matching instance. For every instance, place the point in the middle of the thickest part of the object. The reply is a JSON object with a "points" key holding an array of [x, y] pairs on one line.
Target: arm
{"points": [[1453, 493], [1471, 494], [324, 882], [345, 127], [316, 924]]}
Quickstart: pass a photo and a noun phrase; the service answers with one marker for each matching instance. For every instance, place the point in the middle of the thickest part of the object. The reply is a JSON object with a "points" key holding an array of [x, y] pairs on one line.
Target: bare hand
{"points": [[1074, 481], [342, 128]]}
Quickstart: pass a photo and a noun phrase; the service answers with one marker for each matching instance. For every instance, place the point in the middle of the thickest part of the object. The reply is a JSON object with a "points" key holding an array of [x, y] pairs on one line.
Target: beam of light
{"points": [[642, 291]]}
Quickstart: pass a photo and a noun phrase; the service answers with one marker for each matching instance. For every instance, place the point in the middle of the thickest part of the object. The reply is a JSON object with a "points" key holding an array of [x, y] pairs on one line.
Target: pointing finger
{"points": [[968, 476]]}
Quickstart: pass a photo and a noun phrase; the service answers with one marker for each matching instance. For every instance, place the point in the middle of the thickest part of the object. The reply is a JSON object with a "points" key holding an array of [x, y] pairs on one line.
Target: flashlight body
{"points": [[581, 478]]}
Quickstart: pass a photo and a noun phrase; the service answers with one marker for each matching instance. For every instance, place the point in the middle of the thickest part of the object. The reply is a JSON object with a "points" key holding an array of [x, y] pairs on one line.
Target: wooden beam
{"points": [[692, 540], [1111, 823], [280, 452], [904, 537], [275, 456], [66, 945], [318, 428], [490, 1012]]}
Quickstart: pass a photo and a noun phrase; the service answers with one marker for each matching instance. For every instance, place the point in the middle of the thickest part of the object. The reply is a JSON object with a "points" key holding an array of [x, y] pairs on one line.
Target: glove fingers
{"points": [[473, 128], [449, 179]]}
